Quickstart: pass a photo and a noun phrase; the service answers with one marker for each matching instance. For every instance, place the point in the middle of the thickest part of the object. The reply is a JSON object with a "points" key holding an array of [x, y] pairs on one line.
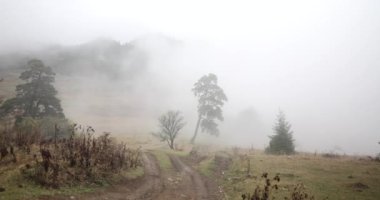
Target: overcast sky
{"points": [[319, 61]]}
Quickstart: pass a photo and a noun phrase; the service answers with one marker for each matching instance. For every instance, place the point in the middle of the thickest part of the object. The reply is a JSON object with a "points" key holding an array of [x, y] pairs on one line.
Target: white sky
{"points": [[317, 60], [220, 21]]}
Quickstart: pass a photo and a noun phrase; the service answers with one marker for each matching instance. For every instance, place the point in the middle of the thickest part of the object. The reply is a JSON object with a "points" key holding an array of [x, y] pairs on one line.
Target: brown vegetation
{"points": [[265, 192], [78, 158]]}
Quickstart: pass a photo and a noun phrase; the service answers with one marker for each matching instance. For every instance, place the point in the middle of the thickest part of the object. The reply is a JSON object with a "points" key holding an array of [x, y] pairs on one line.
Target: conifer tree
{"points": [[36, 97], [282, 141], [211, 98]]}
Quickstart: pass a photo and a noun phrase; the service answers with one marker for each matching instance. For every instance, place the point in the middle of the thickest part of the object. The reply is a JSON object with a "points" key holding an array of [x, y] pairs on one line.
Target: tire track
{"points": [[152, 183], [147, 188], [198, 186]]}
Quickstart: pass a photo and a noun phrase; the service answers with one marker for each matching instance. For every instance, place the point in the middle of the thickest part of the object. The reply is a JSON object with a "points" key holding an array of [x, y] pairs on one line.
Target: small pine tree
{"points": [[282, 141]]}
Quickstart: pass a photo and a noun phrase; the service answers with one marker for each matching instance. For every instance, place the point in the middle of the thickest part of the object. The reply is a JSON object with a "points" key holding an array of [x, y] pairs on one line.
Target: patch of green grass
{"points": [[134, 173], [163, 160], [8, 85], [206, 166], [180, 153], [322, 177], [177, 153], [17, 188]]}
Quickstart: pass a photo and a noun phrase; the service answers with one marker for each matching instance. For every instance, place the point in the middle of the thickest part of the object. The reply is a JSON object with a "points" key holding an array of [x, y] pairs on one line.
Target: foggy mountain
{"points": [[189, 99], [124, 88], [112, 86], [97, 56]]}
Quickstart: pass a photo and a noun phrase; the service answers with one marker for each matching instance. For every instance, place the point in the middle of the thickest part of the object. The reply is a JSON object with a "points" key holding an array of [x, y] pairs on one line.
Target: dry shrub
{"points": [[6, 140], [223, 161], [299, 193], [26, 133], [198, 153], [265, 192], [330, 155], [81, 158]]}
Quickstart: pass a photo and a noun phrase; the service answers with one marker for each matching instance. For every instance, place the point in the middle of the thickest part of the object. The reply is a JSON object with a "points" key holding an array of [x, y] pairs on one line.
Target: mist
{"points": [[121, 64]]}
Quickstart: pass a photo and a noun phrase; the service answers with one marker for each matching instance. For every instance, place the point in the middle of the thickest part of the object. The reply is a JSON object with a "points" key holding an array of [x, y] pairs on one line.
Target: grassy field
{"points": [[163, 160], [162, 156], [325, 178], [206, 167]]}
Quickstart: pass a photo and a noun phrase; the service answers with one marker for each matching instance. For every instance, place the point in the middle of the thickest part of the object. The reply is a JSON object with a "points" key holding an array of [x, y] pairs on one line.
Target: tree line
{"points": [[37, 98], [211, 99]]}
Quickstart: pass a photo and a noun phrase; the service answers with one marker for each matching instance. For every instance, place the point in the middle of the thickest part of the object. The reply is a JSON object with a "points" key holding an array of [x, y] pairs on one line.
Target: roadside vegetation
{"points": [[43, 153], [320, 177], [252, 174], [163, 160]]}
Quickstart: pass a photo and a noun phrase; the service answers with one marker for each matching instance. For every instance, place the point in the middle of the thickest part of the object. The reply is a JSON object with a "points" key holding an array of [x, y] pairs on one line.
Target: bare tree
{"points": [[170, 125]]}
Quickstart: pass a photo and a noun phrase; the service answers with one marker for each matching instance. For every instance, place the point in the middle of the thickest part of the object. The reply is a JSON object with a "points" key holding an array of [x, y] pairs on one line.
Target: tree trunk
{"points": [[196, 130], [170, 144]]}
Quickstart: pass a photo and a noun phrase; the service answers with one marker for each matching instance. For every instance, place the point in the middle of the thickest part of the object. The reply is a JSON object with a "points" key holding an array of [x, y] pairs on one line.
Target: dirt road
{"points": [[192, 179], [152, 184], [182, 182]]}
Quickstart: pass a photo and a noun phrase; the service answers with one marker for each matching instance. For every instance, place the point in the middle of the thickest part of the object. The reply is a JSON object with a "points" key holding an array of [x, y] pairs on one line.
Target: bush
{"points": [[26, 132], [265, 191], [52, 127], [81, 158]]}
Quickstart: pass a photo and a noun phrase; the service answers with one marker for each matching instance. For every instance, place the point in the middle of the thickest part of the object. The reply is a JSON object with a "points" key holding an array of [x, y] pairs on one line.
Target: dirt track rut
{"points": [[198, 187], [152, 184], [180, 183]]}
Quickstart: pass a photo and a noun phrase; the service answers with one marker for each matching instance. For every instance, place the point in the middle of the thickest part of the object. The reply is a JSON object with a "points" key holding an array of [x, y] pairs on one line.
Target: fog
{"points": [[318, 61]]}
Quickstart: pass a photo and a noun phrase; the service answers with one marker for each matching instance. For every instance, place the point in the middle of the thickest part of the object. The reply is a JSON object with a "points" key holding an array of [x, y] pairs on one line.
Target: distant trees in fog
{"points": [[211, 98], [170, 124], [282, 141]]}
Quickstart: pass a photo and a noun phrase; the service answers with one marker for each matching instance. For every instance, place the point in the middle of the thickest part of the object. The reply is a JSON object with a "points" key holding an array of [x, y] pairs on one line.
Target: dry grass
{"points": [[332, 178], [8, 85]]}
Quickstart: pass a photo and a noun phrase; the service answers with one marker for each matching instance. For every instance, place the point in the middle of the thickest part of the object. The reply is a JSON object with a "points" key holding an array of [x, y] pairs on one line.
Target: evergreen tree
{"points": [[211, 98], [282, 142], [35, 98]]}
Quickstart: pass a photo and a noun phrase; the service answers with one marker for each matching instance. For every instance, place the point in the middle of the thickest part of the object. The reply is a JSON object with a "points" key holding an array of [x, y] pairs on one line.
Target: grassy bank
{"points": [[15, 184], [332, 178], [16, 187]]}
